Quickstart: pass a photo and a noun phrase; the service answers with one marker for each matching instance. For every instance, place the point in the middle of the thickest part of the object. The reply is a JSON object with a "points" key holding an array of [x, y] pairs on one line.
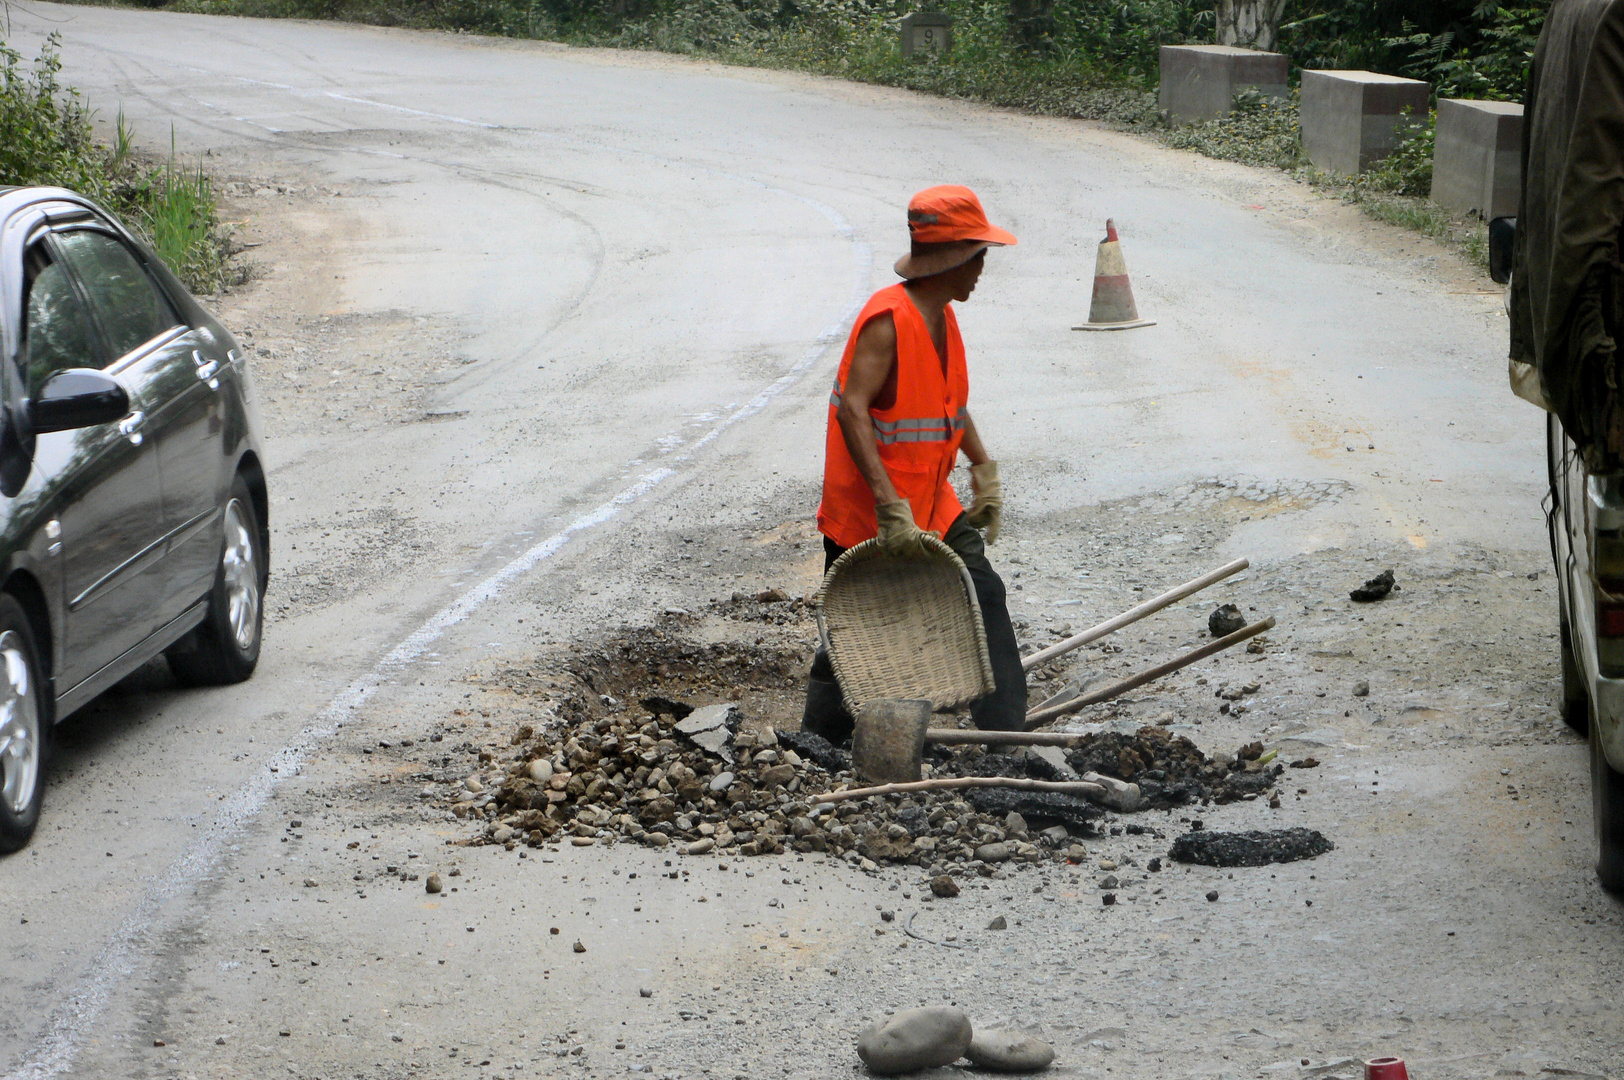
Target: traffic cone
{"points": [[1113, 307], [1386, 1068]]}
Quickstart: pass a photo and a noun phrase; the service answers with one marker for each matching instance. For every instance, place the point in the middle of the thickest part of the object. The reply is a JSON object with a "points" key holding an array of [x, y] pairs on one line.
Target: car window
{"points": [[129, 306], [56, 327]]}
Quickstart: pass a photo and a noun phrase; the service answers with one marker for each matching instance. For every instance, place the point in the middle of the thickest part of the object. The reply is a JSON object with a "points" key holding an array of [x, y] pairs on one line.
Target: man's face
{"points": [[963, 278]]}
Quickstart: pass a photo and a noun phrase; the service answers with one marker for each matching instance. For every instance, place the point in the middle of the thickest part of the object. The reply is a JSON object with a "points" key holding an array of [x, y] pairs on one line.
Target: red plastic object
{"points": [[1386, 1068]]}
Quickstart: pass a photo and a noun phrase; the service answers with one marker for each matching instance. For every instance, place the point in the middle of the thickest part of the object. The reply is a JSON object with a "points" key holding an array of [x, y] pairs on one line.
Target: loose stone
{"points": [[993, 853], [1009, 1051], [433, 884], [1225, 619], [916, 1039]]}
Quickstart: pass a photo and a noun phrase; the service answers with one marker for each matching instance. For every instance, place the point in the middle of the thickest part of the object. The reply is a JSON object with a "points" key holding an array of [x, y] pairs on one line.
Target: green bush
{"points": [[44, 130], [1262, 130], [46, 139], [1408, 169]]}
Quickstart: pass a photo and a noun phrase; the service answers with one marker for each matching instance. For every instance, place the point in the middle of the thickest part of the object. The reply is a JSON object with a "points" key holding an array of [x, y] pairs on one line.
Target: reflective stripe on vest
{"points": [[920, 429], [925, 429]]}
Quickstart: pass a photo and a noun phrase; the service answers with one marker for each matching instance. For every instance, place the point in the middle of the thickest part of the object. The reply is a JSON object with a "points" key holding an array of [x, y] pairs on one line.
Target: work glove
{"points": [[987, 509], [899, 536]]}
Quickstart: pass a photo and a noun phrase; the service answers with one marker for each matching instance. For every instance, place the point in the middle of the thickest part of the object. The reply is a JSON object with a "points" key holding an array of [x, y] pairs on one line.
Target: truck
{"points": [[1560, 260]]}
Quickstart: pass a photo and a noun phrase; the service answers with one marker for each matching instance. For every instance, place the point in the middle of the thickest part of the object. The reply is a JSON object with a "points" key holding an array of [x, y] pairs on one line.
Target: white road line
{"points": [[75, 1018], [413, 112]]}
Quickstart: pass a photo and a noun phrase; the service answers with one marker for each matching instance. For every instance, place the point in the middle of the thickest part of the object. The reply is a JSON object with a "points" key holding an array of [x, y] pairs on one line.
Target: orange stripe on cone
{"points": [[1112, 307]]}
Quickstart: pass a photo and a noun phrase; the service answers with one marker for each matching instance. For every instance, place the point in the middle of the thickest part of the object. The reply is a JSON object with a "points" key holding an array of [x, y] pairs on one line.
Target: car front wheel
{"points": [[224, 647], [24, 731]]}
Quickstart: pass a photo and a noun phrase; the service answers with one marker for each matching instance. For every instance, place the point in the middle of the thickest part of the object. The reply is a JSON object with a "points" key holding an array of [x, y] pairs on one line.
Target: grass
{"points": [[182, 226], [46, 139]]}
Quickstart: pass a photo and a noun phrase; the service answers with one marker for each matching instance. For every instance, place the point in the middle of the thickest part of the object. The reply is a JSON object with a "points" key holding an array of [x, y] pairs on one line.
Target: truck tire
{"points": [[1607, 800], [1575, 694]]}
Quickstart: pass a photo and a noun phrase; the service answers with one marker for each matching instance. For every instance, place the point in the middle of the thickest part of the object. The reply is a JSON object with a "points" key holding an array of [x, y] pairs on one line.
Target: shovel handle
{"points": [[1043, 716], [1132, 615]]}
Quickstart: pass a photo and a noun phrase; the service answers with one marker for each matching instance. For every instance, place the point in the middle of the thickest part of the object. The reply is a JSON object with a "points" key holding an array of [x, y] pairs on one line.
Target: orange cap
{"points": [[947, 227]]}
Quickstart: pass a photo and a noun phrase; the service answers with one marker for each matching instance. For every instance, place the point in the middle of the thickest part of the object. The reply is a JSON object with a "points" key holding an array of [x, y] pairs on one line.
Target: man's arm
{"points": [[987, 508], [871, 365], [971, 445]]}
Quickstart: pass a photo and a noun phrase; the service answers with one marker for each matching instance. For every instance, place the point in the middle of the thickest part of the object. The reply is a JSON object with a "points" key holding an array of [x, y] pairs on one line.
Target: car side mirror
{"points": [[77, 398], [1502, 240]]}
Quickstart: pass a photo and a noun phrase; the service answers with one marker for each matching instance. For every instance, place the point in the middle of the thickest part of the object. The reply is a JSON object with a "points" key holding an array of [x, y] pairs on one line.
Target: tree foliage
{"points": [[1465, 48]]}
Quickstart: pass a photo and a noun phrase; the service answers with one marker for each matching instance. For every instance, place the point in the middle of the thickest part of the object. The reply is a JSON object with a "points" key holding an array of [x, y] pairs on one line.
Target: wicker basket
{"points": [[904, 628]]}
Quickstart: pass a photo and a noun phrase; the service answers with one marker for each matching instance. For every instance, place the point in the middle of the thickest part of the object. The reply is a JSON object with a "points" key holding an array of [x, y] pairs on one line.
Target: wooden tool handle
{"points": [[957, 737], [949, 782], [1043, 716], [1149, 607]]}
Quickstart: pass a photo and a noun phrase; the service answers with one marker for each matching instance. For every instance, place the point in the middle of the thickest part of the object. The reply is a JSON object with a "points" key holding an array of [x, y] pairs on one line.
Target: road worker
{"points": [[897, 423]]}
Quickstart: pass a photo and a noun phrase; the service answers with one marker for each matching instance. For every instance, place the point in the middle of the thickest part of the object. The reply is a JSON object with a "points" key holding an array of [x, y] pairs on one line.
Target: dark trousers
{"points": [[1002, 710]]}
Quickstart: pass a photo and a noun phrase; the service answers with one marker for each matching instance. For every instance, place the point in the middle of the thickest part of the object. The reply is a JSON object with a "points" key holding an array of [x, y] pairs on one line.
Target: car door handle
{"points": [[207, 369], [130, 426]]}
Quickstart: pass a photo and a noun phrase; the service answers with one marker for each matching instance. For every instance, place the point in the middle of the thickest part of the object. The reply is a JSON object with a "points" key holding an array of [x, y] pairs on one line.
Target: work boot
{"points": [[825, 712]]}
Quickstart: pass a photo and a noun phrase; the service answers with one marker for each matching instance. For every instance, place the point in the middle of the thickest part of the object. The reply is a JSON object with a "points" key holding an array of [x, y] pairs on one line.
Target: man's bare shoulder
{"points": [[880, 332]]}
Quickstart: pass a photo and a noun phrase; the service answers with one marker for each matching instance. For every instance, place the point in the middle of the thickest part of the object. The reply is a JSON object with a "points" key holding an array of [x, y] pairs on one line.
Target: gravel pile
{"points": [[1172, 771], [1169, 769], [647, 780], [664, 774]]}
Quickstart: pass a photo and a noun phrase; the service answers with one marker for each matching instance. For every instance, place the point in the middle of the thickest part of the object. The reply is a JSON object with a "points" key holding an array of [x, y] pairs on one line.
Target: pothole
{"points": [[657, 739]]}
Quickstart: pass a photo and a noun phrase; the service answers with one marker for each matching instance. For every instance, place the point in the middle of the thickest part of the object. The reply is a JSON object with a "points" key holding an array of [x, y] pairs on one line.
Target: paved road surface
{"points": [[548, 335]]}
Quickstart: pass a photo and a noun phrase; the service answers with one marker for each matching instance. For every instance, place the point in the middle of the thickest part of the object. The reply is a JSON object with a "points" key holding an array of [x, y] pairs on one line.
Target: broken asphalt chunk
{"points": [[1376, 588], [711, 729]]}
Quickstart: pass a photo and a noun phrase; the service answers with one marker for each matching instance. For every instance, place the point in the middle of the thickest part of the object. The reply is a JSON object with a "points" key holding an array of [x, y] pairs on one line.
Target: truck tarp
{"points": [[1566, 266]]}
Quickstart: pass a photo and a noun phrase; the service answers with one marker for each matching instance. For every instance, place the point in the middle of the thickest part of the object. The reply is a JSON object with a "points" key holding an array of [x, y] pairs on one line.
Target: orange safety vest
{"points": [[918, 436]]}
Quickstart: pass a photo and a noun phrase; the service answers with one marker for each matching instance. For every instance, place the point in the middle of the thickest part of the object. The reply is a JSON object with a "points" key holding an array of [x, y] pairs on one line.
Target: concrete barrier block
{"points": [[1351, 119], [1477, 157], [926, 32], [1199, 82]]}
